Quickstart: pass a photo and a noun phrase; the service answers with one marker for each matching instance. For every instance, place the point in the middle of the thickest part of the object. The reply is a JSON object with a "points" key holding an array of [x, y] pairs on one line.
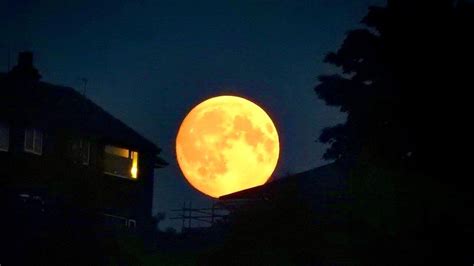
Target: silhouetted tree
{"points": [[404, 85]]}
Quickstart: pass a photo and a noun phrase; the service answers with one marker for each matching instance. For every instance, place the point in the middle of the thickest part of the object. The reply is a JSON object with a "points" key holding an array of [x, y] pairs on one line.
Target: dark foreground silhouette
{"points": [[405, 87]]}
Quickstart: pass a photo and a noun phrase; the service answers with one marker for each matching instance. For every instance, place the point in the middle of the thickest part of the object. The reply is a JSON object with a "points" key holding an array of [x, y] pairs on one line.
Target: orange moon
{"points": [[227, 144]]}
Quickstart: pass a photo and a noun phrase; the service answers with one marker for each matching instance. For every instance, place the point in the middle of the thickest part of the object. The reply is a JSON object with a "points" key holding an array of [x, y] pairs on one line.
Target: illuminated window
{"points": [[81, 151], [34, 141], [4, 137], [121, 162]]}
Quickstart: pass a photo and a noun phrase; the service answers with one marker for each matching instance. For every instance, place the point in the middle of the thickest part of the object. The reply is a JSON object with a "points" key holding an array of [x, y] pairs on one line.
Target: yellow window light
{"points": [[134, 169]]}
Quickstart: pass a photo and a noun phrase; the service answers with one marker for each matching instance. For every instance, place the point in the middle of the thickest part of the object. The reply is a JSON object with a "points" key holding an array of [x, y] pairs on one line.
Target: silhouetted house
{"points": [[58, 146], [319, 188]]}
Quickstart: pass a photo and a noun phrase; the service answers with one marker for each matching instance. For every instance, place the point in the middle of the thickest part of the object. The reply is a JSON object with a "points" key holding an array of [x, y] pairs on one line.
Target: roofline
{"points": [[137, 140], [241, 194]]}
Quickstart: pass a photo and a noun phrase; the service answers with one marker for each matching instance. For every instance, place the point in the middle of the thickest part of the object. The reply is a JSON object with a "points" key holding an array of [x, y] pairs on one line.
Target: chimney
{"points": [[24, 70]]}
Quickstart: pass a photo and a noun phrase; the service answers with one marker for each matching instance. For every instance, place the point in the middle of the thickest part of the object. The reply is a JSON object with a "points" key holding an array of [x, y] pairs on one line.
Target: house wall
{"points": [[56, 175]]}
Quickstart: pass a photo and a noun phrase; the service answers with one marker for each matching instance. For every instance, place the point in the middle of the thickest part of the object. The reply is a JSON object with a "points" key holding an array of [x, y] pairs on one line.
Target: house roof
{"points": [[316, 183], [56, 107]]}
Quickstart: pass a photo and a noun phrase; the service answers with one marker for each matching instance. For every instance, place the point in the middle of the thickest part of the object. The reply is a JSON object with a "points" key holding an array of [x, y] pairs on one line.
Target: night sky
{"points": [[149, 62]]}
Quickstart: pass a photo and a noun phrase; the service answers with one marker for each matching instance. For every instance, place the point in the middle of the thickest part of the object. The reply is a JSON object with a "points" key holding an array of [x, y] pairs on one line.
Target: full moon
{"points": [[227, 144]]}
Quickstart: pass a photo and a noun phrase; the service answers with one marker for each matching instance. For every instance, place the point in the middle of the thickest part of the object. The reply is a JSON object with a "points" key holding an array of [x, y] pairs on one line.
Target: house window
{"points": [[132, 223], [81, 149], [121, 162], [34, 141], [4, 137]]}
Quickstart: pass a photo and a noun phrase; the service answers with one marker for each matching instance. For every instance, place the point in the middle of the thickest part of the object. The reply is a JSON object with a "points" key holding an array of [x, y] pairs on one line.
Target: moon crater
{"points": [[226, 144]]}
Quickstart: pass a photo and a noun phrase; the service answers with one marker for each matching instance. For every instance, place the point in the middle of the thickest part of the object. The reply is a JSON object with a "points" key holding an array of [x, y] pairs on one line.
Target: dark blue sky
{"points": [[149, 62]]}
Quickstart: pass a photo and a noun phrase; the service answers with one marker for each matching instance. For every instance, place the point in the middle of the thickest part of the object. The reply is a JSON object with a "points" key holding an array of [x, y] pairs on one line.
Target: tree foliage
{"points": [[403, 83]]}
